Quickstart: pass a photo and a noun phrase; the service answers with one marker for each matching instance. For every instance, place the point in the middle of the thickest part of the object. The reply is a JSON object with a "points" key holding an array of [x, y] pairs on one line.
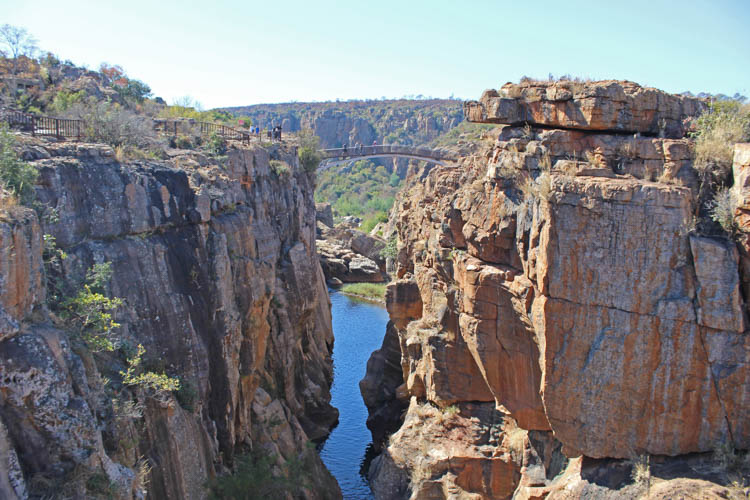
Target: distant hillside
{"points": [[400, 121]]}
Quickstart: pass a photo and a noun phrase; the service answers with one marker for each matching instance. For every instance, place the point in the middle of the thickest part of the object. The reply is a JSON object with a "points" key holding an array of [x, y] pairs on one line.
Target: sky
{"points": [[233, 53]]}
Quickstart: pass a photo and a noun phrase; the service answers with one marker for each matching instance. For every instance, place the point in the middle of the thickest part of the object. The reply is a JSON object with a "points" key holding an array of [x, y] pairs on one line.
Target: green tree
{"points": [[90, 310], [132, 89], [309, 150], [16, 176]]}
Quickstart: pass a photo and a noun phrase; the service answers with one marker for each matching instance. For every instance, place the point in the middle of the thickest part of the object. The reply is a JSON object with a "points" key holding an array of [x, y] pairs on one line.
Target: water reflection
{"points": [[358, 328]]}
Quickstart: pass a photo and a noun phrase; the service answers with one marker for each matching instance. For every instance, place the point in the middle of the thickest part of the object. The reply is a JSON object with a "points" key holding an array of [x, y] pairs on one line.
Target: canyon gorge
{"points": [[561, 310]]}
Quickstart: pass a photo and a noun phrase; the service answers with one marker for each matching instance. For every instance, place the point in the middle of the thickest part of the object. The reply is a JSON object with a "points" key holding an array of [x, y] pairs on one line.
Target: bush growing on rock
{"points": [[309, 156], [159, 384], [216, 144], [280, 169], [722, 209], [90, 311], [716, 133], [113, 124], [254, 479], [15, 176]]}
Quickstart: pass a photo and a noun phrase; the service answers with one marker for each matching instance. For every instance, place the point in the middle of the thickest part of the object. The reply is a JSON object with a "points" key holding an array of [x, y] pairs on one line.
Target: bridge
{"points": [[337, 156]]}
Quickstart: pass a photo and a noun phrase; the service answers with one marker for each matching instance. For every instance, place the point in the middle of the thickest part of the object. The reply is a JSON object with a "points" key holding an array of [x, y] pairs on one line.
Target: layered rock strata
{"points": [[617, 106], [556, 277], [220, 282]]}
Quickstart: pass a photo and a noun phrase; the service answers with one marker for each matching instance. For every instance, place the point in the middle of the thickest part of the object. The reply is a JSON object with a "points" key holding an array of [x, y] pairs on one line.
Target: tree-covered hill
{"points": [[402, 121]]}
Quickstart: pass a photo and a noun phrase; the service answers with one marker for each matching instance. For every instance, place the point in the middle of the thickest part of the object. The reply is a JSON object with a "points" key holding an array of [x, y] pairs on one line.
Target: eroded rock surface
{"points": [[350, 255], [220, 282], [554, 275], [604, 105]]}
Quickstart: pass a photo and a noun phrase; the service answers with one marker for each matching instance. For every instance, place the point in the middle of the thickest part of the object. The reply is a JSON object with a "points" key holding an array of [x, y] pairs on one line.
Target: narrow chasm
{"points": [[358, 327]]}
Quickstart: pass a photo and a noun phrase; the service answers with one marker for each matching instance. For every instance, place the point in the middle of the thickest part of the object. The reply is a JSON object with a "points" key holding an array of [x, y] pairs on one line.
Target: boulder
{"points": [[324, 214], [607, 105]]}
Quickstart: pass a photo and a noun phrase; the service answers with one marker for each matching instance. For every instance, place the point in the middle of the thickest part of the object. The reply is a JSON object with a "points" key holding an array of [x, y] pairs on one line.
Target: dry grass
{"points": [[421, 471], [511, 163], [126, 409], [666, 177], [120, 154], [514, 439], [627, 149], [539, 188], [545, 163], [723, 125], [568, 169], [641, 471], [689, 226], [596, 158], [142, 472], [722, 209], [506, 209], [528, 133], [7, 200]]}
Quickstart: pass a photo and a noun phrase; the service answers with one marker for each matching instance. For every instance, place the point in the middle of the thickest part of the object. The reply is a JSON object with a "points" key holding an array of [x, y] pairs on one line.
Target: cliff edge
{"points": [[215, 266], [559, 316]]}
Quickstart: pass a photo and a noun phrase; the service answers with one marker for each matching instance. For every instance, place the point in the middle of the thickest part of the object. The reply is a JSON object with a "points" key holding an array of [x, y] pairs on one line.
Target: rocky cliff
{"points": [[556, 311], [337, 123], [216, 266]]}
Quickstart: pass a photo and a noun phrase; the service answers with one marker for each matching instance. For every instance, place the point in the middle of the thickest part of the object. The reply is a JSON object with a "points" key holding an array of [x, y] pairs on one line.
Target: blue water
{"points": [[358, 329]]}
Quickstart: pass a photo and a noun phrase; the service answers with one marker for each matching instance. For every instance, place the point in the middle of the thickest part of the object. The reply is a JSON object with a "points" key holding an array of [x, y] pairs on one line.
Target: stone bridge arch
{"points": [[337, 156]]}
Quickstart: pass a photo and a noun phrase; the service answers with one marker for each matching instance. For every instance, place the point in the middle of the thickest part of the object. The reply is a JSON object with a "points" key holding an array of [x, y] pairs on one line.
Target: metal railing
{"points": [[388, 149], [66, 128], [60, 128], [176, 127]]}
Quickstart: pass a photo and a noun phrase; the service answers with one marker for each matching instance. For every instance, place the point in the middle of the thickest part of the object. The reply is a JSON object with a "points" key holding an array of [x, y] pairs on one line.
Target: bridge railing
{"points": [[386, 149]]}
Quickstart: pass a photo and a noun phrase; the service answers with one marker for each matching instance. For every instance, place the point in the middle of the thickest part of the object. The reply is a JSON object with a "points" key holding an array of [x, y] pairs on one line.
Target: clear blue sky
{"points": [[226, 53]]}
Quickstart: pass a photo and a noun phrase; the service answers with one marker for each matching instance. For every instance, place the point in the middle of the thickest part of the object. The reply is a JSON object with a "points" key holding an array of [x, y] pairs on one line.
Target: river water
{"points": [[358, 329]]}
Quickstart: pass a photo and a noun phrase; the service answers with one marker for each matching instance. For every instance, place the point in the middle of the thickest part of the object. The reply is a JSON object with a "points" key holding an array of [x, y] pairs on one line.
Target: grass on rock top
{"points": [[372, 291]]}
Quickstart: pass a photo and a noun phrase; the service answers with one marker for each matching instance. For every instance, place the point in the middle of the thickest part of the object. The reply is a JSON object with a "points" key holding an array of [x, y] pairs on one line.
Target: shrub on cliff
{"points": [[89, 311], [722, 209], [255, 477], [716, 132], [113, 124], [309, 155], [15, 176], [157, 384], [280, 169], [216, 144]]}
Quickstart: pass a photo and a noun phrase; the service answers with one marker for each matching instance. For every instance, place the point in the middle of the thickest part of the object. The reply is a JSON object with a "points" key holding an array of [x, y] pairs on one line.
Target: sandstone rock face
{"points": [[220, 283], [604, 105], [559, 282], [21, 287], [456, 453]]}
